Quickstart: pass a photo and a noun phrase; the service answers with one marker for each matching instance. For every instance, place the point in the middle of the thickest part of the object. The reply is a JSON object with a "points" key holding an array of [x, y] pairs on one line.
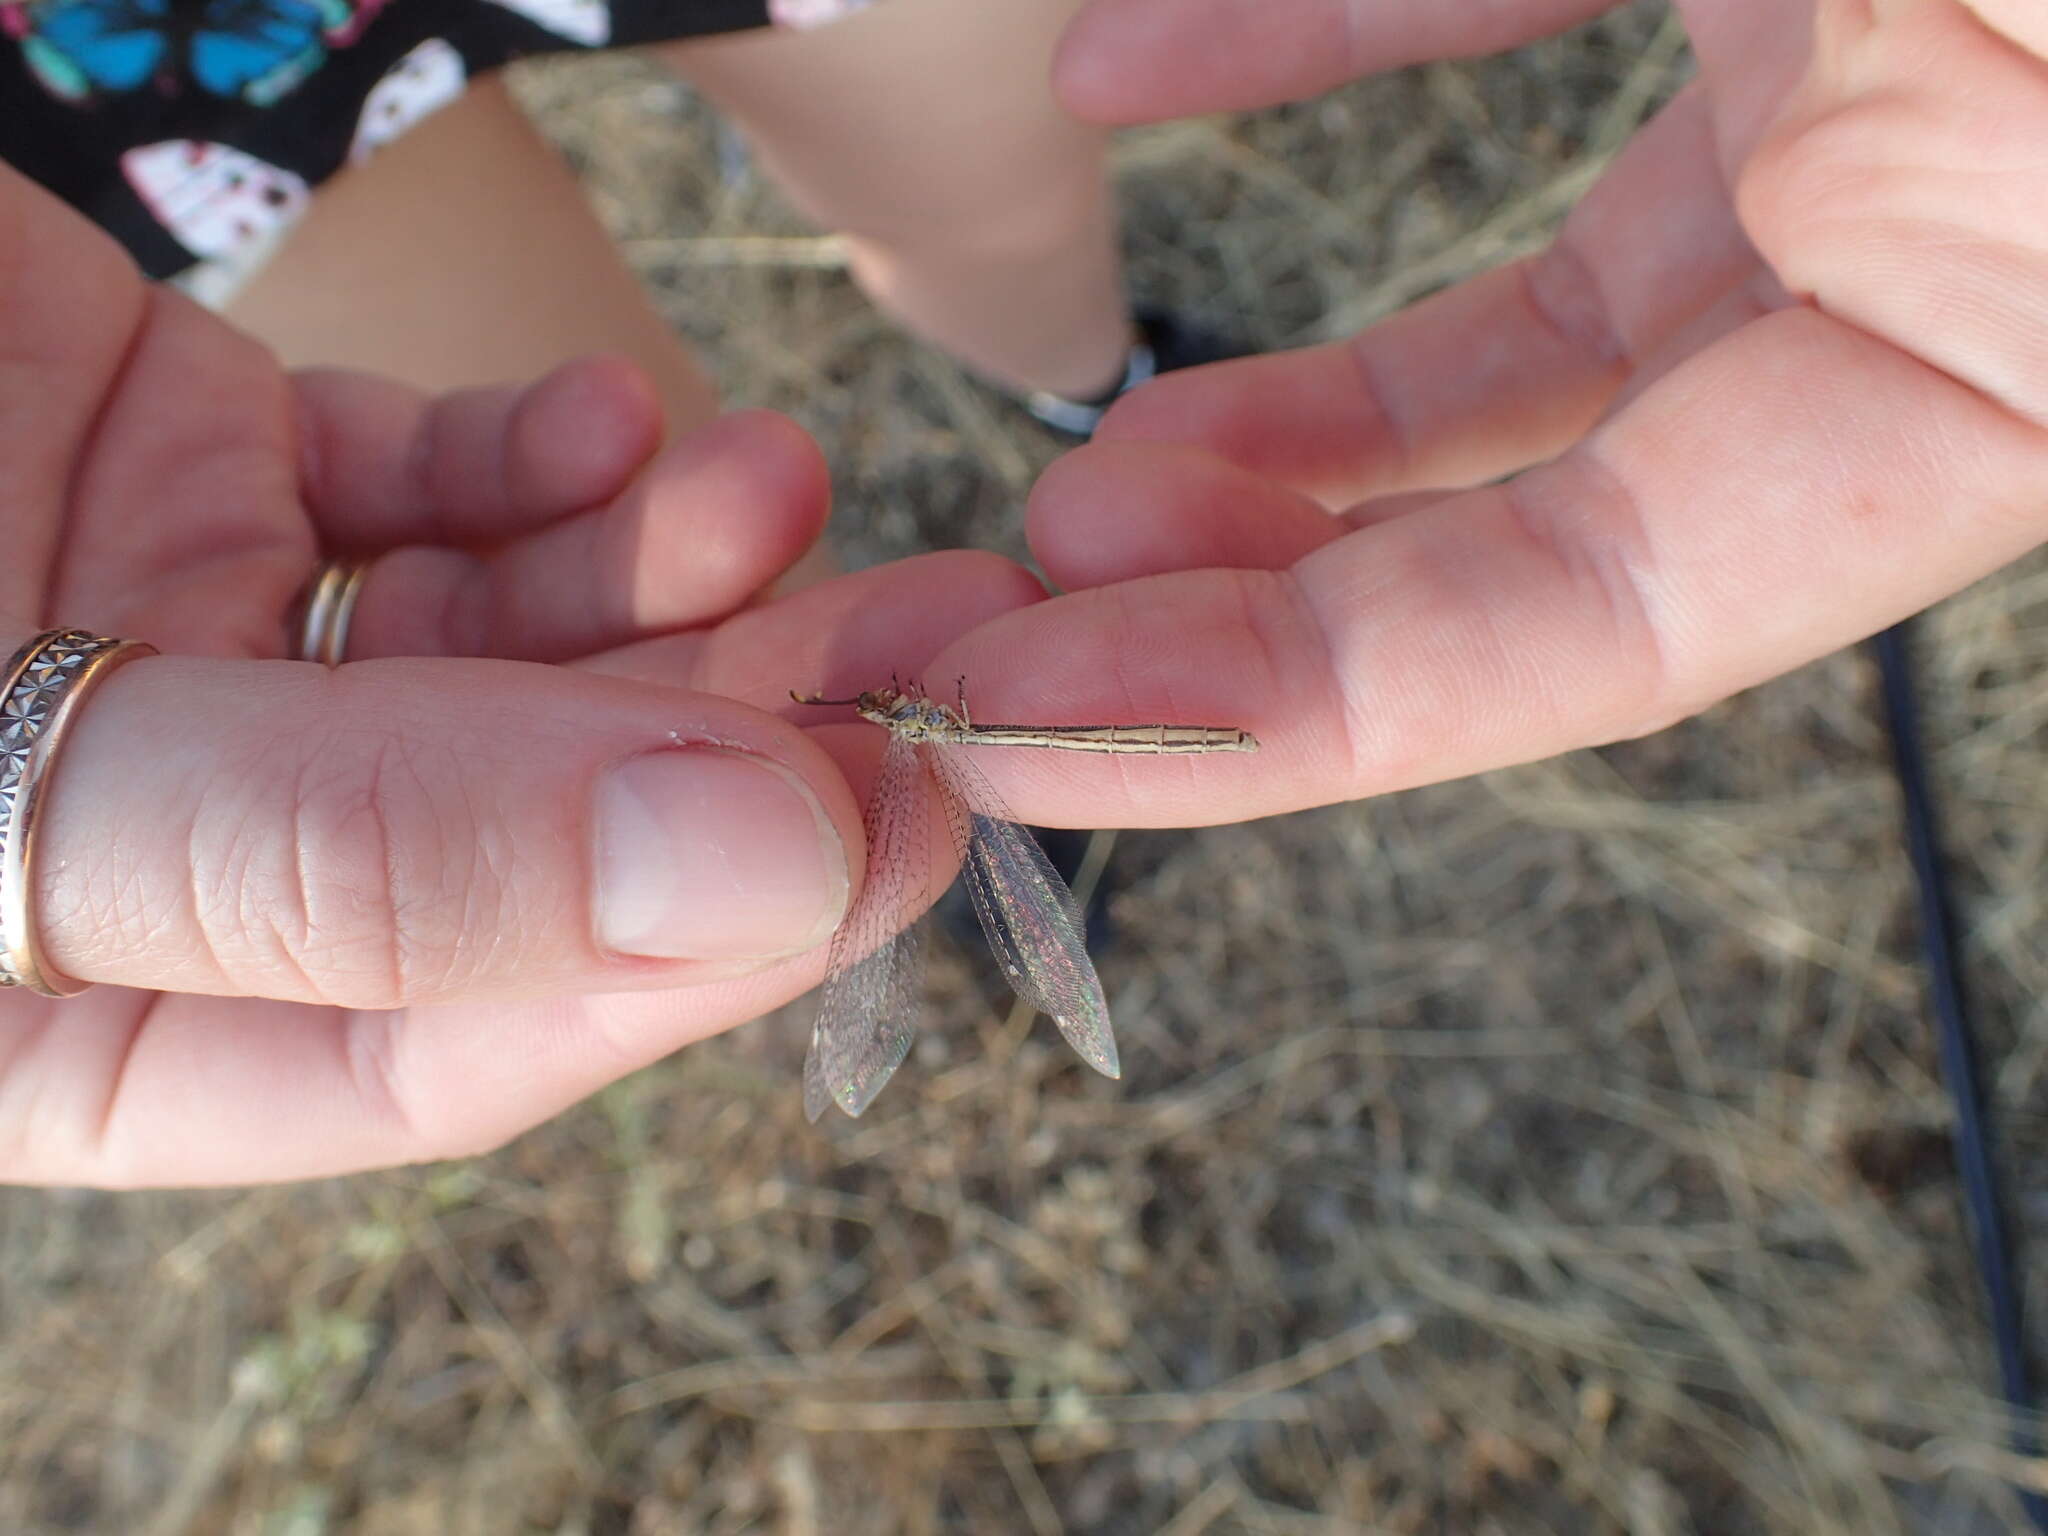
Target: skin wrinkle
{"points": [[15, 255], [1806, 196], [1347, 580], [612, 542], [484, 898], [487, 879], [21, 1140], [86, 449], [404, 976], [511, 462], [421, 458], [308, 447], [466, 609], [1298, 606], [1551, 281], [330, 917], [196, 905], [273, 918], [1122, 598], [101, 1139], [1595, 555], [217, 885], [1752, 298], [372, 1048], [1380, 412]]}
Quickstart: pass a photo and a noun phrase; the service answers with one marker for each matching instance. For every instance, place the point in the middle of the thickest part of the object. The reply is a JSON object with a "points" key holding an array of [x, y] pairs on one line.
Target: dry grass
{"points": [[1557, 1151]]}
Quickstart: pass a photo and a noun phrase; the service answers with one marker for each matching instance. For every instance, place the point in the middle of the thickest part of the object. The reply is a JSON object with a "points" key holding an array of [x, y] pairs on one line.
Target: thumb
{"points": [[399, 832]]}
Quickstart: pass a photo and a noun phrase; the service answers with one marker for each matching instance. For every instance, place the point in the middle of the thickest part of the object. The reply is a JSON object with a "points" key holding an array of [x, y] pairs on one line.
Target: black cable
{"points": [[1956, 1043]]}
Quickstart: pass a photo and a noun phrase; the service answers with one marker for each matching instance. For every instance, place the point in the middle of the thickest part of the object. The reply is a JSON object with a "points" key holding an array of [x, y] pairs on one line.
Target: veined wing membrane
{"points": [[1033, 923], [875, 972]]}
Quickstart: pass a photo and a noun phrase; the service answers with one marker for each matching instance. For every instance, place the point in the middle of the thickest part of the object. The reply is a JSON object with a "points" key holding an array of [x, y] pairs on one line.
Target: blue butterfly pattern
{"points": [[254, 50]]}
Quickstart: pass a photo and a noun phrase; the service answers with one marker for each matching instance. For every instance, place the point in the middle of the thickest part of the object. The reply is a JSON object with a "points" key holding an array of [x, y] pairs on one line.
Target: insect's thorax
{"points": [[908, 715]]}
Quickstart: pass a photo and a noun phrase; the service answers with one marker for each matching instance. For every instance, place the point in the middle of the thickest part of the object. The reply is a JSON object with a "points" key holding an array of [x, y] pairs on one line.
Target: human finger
{"points": [[71, 305], [182, 519], [2021, 20], [294, 1091], [1901, 191], [1793, 488], [138, 1088], [1116, 511], [836, 637], [125, 1089], [400, 832], [1495, 373], [135, 1090], [702, 529], [384, 464]]}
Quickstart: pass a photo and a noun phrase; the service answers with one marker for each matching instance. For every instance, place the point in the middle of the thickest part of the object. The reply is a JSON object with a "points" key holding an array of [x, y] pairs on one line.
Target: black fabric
{"points": [[85, 82]]}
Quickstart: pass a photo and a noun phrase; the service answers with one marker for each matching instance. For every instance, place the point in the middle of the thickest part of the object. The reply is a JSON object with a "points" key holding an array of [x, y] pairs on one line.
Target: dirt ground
{"points": [[1558, 1151]]}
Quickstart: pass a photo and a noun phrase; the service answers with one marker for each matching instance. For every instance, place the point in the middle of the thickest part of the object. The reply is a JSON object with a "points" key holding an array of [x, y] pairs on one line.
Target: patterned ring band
{"points": [[47, 682], [325, 609]]}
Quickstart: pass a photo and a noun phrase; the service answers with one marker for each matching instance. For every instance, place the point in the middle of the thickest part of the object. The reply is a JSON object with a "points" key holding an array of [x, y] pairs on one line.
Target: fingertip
{"points": [[1089, 513], [1233, 409], [995, 580], [1223, 406], [725, 511], [1159, 411], [1088, 72], [787, 461], [1119, 511], [1311, 418], [1138, 61], [578, 434], [765, 448]]}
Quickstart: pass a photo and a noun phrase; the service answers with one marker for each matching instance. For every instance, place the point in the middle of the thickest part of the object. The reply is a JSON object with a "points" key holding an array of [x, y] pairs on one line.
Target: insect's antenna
{"points": [[812, 698]]}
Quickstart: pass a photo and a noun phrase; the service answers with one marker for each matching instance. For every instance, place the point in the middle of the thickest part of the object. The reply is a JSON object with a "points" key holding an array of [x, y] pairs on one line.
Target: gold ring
{"points": [[47, 683], [325, 609]]}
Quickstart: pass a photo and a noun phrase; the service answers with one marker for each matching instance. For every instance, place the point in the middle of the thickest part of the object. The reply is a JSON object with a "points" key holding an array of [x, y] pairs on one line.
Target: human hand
{"points": [[403, 909], [1712, 482]]}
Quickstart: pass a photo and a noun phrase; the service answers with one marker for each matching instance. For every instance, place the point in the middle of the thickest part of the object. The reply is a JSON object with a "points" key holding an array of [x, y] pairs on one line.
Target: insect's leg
{"points": [[960, 690]]}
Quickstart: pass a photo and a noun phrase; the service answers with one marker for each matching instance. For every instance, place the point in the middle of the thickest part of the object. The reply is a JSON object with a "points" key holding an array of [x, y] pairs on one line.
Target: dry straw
{"points": [[1559, 1151]]}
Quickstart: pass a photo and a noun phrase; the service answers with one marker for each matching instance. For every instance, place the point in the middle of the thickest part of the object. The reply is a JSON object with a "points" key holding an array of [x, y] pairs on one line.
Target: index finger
{"points": [[1790, 490], [71, 306]]}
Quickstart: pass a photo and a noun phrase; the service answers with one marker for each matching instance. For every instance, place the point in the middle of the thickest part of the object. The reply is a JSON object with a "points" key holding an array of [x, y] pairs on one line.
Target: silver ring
{"points": [[47, 683], [320, 625]]}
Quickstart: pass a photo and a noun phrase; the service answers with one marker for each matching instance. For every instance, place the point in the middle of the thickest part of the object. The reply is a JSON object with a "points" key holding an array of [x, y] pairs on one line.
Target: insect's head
{"points": [[880, 705], [879, 701]]}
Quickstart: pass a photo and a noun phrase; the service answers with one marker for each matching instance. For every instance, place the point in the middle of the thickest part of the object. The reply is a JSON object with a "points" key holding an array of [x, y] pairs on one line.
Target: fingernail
{"points": [[704, 854]]}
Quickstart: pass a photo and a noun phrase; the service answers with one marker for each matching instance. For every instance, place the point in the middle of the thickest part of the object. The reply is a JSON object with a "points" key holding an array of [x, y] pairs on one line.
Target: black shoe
{"points": [[1165, 342]]}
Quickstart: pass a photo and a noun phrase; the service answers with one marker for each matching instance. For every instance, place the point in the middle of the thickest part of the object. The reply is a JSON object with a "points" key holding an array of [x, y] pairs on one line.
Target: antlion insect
{"points": [[873, 976]]}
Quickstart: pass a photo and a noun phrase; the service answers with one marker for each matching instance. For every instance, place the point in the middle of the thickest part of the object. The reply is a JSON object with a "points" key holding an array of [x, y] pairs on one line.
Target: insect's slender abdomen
{"points": [[868, 1009]]}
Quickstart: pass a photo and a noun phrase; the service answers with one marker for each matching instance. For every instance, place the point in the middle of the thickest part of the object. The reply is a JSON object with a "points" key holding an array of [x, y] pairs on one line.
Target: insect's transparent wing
{"points": [[1033, 923], [868, 1011]]}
